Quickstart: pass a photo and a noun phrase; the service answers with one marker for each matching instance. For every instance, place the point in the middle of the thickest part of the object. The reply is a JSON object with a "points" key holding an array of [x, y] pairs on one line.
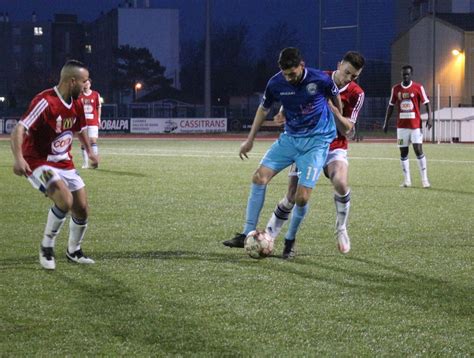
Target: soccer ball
{"points": [[258, 244]]}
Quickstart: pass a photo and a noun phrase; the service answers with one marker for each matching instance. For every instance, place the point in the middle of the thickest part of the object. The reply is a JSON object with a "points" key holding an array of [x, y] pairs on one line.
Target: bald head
{"points": [[74, 76]]}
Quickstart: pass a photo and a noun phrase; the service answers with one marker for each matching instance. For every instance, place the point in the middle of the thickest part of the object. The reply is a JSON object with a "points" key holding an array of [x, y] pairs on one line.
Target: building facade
{"points": [[453, 73]]}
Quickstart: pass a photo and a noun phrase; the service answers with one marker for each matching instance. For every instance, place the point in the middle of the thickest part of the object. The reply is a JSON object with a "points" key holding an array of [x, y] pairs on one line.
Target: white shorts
{"points": [[333, 155], [337, 155], [43, 176], [93, 131], [405, 136]]}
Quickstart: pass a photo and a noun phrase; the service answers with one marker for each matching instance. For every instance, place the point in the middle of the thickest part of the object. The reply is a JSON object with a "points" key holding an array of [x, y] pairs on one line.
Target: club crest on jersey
{"points": [[61, 144], [312, 88], [405, 95]]}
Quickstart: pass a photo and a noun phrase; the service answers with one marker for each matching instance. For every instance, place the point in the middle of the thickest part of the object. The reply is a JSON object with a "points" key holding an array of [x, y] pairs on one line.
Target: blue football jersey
{"points": [[305, 104]]}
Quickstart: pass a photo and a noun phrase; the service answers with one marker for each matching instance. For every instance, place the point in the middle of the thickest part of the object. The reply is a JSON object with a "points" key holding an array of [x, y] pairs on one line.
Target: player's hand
{"points": [[93, 161], [429, 124], [245, 147], [333, 108], [21, 168], [279, 118]]}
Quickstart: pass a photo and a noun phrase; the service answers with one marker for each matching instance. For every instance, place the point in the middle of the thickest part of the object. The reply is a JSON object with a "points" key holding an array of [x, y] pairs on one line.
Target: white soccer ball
{"points": [[258, 244]]}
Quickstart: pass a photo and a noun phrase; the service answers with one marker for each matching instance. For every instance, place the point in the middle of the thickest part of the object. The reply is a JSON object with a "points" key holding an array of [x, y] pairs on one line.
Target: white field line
{"points": [[253, 155]]}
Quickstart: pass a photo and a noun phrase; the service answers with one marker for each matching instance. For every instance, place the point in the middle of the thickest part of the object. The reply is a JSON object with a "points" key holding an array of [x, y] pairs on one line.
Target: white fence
{"points": [[451, 125]]}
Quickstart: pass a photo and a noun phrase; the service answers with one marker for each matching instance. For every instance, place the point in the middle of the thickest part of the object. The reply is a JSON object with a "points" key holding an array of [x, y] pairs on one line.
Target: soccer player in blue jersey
{"points": [[309, 129]]}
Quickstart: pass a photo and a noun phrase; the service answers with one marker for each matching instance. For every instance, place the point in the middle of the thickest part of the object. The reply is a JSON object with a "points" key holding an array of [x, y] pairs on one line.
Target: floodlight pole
{"points": [[433, 94], [207, 63]]}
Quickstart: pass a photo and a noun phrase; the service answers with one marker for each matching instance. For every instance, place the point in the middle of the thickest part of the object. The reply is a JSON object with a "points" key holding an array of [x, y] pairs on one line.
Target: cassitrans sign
{"points": [[177, 125]]}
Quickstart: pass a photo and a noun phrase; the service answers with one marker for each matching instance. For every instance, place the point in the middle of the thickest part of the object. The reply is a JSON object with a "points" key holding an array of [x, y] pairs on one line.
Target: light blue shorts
{"points": [[308, 153]]}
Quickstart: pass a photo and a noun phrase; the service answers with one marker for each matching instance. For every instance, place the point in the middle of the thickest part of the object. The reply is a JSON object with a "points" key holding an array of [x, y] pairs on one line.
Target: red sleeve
{"points": [[357, 101], [34, 115]]}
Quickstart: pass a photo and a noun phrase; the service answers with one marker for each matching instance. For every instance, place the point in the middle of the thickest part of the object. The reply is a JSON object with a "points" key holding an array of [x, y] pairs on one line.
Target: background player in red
{"points": [[407, 96], [336, 167], [41, 145], [92, 110]]}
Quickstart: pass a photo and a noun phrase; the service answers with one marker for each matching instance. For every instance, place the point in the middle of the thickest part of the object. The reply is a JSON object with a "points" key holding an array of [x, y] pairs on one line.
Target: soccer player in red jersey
{"points": [[407, 96], [41, 145], [92, 110]]}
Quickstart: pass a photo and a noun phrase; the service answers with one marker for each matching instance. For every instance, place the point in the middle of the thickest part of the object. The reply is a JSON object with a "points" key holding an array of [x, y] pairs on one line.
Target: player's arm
{"points": [[429, 122], [388, 114], [336, 101], [20, 166], [99, 109], [343, 124], [247, 145], [84, 139], [389, 111]]}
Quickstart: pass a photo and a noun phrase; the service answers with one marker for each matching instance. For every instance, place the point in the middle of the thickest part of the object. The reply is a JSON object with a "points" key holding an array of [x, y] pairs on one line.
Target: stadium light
{"points": [[2, 99], [138, 87], [456, 52]]}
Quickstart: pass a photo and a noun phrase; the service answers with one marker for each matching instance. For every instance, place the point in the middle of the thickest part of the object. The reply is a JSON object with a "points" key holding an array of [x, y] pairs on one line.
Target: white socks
{"points": [[279, 216], [77, 230], [54, 223], [422, 167], [343, 204]]}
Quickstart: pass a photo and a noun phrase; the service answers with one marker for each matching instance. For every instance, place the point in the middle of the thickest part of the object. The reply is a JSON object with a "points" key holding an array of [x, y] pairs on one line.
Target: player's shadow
{"points": [[120, 173], [388, 282]]}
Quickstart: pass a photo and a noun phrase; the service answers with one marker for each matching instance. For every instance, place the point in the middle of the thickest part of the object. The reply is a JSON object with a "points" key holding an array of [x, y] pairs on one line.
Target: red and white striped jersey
{"points": [[352, 97], [408, 101], [91, 107], [50, 123]]}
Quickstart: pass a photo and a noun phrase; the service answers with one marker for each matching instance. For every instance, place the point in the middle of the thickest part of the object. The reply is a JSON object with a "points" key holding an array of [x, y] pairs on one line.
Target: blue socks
{"points": [[254, 206], [299, 212]]}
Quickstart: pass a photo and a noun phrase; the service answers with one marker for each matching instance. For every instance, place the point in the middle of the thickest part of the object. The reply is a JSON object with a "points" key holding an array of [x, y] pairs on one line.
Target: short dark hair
{"points": [[355, 59], [407, 67], [75, 63], [289, 57]]}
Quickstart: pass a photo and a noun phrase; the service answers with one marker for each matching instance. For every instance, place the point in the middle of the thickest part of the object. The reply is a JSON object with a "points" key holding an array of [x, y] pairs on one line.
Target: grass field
{"points": [[164, 285]]}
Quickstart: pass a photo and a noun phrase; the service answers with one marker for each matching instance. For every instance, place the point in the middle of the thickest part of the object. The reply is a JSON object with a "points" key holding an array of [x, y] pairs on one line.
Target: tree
{"points": [[133, 65], [231, 64], [273, 41]]}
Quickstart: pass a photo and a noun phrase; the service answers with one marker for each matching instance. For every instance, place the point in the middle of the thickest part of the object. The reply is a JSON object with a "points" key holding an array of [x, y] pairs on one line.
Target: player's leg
{"points": [[93, 132], [338, 170], [79, 215], [284, 207], [403, 138], [311, 165], [279, 156], [255, 202], [78, 227], [85, 157], [417, 140], [47, 180]]}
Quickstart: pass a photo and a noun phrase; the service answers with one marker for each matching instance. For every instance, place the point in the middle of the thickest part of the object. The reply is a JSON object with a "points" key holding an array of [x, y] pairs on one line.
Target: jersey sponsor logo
{"points": [[290, 93], [407, 115], [61, 144], [406, 105], [88, 108], [68, 122], [312, 88]]}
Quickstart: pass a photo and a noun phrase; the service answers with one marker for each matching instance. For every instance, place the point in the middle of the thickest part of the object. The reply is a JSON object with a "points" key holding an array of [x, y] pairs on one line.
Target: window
{"points": [[88, 48], [38, 31]]}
